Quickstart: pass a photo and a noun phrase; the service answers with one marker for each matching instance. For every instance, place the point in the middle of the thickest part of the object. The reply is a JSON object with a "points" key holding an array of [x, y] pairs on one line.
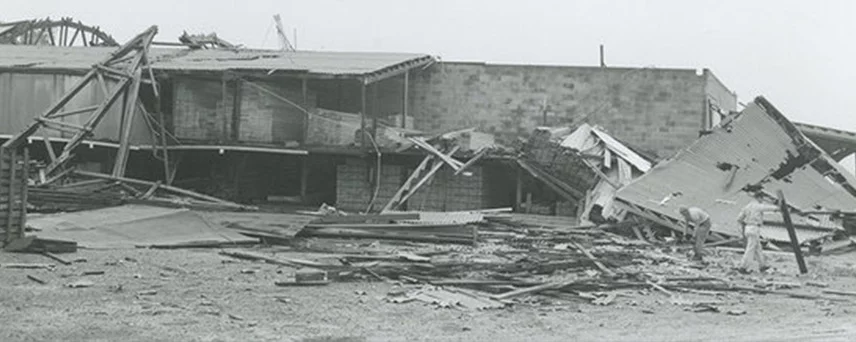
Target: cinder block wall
{"points": [[659, 110], [354, 188], [448, 192], [481, 188], [203, 109]]}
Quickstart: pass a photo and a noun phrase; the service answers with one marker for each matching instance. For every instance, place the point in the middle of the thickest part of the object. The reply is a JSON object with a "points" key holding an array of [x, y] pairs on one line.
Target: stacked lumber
{"points": [[49, 200], [14, 170]]}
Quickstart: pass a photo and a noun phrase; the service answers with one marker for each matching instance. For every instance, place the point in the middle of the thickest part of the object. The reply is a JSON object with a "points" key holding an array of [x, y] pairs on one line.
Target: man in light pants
{"points": [[751, 218], [701, 220]]}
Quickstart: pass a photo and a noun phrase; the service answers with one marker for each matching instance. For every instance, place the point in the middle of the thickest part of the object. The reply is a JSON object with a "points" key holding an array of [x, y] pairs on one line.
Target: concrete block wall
{"points": [[354, 189], [448, 192], [203, 110], [268, 119], [658, 110]]}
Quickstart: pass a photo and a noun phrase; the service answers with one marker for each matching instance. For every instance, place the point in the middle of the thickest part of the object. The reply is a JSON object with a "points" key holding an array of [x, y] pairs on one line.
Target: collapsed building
{"points": [[757, 149], [385, 131]]}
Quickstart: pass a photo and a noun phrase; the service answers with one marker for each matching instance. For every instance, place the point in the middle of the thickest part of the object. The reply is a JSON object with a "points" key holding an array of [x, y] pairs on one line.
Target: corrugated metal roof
{"points": [[758, 142], [316, 62]]}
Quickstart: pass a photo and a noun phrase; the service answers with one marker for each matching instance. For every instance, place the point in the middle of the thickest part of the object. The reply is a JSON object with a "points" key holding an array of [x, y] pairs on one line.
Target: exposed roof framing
{"points": [[62, 32], [366, 67]]}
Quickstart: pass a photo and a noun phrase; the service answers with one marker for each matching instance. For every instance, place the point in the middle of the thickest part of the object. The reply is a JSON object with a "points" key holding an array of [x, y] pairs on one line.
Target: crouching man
{"points": [[701, 220]]}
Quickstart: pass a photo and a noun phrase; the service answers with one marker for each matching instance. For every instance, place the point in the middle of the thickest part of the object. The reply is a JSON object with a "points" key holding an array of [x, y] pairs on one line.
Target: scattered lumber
{"points": [[57, 258], [839, 292], [29, 266], [36, 279], [536, 289], [277, 261]]}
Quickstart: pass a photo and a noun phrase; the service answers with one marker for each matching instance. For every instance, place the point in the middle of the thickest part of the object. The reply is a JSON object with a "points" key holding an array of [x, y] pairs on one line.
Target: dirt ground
{"points": [[198, 295]]}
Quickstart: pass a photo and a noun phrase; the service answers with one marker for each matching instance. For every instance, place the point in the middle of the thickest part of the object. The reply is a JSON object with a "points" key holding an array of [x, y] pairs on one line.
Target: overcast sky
{"points": [[797, 54]]}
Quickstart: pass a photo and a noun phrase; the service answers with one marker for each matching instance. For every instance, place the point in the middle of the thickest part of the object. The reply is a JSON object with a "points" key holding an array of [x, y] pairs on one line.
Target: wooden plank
{"points": [[538, 288], [481, 153], [57, 258], [277, 261], [592, 258], [395, 201], [367, 218], [792, 233], [454, 164], [165, 187]]}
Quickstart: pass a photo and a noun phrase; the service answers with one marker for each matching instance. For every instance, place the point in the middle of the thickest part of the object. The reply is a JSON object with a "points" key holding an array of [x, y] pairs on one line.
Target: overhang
{"points": [[367, 67]]}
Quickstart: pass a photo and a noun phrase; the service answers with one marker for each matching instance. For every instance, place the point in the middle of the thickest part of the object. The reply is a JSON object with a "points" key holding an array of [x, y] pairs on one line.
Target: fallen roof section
{"points": [[758, 148], [131, 226], [838, 143], [369, 66]]}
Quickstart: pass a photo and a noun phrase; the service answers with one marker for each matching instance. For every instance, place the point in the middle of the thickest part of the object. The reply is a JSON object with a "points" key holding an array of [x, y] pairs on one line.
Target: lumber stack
{"points": [[14, 171]]}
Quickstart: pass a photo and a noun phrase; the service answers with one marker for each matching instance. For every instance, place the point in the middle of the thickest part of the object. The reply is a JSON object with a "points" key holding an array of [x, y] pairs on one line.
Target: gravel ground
{"points": [[198, 295]]}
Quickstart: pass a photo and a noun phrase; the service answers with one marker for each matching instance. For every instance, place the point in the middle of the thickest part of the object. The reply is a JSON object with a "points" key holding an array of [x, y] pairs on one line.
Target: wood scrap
{"points": [[538, 288], [593, 259], [277, 261], [27, 266], [36, 279], [839, 292], [57, 258]]}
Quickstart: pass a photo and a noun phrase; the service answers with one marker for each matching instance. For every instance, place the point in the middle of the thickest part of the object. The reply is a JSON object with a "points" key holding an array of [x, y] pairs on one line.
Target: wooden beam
{"points": [[472, 161], [237, 97], [405, 101], [792, 233]]}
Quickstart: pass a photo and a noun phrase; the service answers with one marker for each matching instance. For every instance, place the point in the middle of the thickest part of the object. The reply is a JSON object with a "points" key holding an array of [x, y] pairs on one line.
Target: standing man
{"points": [[751, 218], [701, 220]]}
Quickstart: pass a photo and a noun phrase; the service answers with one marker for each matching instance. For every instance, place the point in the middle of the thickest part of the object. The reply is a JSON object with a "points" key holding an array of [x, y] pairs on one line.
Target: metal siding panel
{"points": [[757, 144]]}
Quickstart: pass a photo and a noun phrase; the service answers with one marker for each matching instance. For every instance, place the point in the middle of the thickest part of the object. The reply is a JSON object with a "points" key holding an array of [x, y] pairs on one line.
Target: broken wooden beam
{"points": [[538, 288], [792, 233], [170, 188], [277, 261]]}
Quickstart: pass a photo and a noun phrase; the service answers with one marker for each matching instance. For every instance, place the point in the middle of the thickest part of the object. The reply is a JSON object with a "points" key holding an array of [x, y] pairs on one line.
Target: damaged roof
{"points": [[838, 143], [344, 64], [758, 147]]}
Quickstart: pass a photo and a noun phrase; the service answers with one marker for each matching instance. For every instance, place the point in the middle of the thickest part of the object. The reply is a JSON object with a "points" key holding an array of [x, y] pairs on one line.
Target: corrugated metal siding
{"points": [[26, 96], [758, 145]]}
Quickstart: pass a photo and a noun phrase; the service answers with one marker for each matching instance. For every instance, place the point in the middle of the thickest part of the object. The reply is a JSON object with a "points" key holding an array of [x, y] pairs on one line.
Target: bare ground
{"points": [[198, 295]]}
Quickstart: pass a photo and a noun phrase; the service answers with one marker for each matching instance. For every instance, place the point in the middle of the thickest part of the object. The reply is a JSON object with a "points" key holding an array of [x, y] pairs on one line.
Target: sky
{"points": [[795, 53]]}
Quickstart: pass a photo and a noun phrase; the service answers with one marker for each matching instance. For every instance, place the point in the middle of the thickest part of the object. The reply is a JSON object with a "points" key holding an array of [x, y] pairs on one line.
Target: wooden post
{"points": [[375, 111], [406, 100], [528, 202], [25, 175], [10, 205], [237, 97], [792, 233], [304, 177], [305, 88], [363, 113], [518, 195]]}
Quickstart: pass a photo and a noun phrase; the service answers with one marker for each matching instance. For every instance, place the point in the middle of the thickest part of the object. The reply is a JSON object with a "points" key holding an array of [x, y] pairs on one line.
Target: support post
{"points": [[792, 233], [406, 100], [375, 111], [304, 177], [237, 95], [363, 113], [518, 194]]}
